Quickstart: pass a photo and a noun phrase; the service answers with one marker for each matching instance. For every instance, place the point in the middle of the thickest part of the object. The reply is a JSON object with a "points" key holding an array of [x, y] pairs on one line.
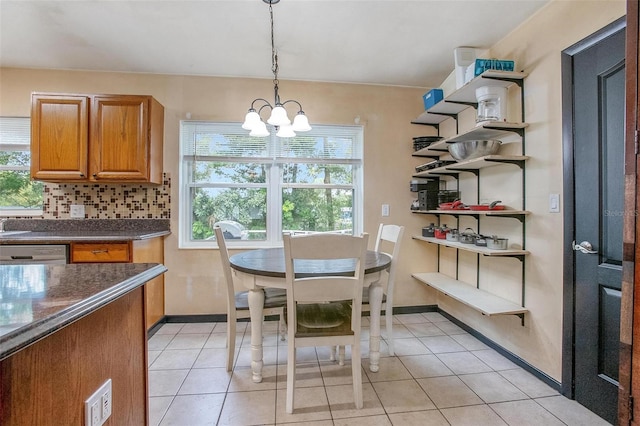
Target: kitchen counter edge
{"points": [[71, 236]]}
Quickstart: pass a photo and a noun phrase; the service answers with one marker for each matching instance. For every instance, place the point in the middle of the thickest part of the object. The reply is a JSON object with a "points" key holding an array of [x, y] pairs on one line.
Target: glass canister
{"points": [[492, 103]]}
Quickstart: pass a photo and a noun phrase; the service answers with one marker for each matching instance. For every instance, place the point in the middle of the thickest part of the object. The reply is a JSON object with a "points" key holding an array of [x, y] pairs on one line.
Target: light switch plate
{"points": [[554, 203], [385, 210], [77, 211]]}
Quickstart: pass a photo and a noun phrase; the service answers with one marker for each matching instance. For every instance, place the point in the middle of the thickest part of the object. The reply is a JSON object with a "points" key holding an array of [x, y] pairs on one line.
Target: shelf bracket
{"points": [[446, 114], [519, 132], [471, 104], [519, 217], [433, 157], [518, 82], [519, 163], [434, 125], [476, 172], [453, 175], [521, 316]]}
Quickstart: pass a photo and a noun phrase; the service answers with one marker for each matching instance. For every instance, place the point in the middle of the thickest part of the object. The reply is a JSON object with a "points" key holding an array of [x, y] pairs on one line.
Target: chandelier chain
{"points": [[274, 58]]}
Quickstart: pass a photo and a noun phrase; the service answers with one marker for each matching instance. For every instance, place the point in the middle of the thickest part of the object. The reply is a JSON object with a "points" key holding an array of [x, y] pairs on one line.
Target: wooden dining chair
{"points": [[275, 300], [388, 242], [324, 310]]}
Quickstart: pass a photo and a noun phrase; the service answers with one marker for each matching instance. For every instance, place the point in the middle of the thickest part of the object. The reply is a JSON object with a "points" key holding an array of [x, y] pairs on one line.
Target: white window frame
{"points": [[15, 135], [274, 185]]}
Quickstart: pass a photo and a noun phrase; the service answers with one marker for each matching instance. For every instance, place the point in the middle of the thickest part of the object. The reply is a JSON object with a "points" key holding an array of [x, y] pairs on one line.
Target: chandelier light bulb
{"points": [[259, 130], [301, 123], [279, 116], [286, 131], [251, 120]]}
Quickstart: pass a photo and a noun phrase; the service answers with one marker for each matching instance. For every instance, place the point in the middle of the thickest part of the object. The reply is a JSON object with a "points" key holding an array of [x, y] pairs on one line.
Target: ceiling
{"points": [[387, 42]]}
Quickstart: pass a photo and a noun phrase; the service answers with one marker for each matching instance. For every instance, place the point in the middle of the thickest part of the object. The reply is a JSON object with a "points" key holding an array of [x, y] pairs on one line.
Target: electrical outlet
{"points": [[95, 414], [97, 408], [106, 404], [77, 211], [385, 210]]}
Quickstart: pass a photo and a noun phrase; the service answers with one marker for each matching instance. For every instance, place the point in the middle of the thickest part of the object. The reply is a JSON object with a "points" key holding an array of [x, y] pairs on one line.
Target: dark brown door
{"points": [[598, 95]]}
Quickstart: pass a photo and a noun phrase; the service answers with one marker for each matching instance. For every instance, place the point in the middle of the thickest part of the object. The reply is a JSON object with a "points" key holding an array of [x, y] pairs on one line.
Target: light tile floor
{"points": [[440, 375]]}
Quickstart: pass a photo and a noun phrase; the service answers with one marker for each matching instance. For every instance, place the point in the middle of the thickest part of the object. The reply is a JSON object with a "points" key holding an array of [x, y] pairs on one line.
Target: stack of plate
{"points": [[421, 142]]}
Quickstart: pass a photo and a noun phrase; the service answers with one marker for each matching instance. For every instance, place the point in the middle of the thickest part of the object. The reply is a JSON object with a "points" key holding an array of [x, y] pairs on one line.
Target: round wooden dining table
{"points": [[257, 269]]}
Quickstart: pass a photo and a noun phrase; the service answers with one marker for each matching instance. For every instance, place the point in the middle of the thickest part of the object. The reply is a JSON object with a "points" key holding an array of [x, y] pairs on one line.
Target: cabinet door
{"points": [[59, 135], [120, 144]]}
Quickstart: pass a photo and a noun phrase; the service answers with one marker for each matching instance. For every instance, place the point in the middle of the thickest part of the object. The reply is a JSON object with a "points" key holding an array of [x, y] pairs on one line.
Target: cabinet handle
{"points": [[100, 251], [82, 175], [95, 176]]}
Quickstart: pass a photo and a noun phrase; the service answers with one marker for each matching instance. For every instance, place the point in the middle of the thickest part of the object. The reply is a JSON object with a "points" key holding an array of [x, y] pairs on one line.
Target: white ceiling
{"points": [[388, 42]]}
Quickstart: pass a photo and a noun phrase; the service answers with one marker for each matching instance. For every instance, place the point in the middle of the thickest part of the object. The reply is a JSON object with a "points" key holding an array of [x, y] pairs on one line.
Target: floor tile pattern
{"points": [[440, 375]]}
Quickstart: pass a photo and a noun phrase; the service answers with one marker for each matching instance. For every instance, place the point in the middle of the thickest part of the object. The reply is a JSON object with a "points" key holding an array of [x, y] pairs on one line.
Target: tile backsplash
{"points": [[109, 201]]}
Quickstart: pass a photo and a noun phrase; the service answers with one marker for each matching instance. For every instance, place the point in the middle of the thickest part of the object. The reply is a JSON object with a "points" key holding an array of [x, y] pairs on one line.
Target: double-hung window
{"points": [[257, 188], [19, 195]]}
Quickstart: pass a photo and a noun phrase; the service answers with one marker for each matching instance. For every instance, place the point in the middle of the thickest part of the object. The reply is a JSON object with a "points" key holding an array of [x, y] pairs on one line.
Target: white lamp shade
{"points": [[278, 116], [286, 132], [251, 120], [259, 130], [301, 123]]}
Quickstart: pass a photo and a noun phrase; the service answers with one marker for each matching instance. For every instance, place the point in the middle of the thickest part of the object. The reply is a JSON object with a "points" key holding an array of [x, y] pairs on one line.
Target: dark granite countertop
{"points": [[37, 300], [43, 231]]}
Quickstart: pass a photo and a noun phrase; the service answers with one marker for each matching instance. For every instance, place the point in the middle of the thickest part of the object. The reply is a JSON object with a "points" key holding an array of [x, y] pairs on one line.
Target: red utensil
{"points": [[486, 207]]}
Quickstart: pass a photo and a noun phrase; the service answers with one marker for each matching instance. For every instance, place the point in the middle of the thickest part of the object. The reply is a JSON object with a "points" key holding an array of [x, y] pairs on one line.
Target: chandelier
{"points": [[278, 117]]}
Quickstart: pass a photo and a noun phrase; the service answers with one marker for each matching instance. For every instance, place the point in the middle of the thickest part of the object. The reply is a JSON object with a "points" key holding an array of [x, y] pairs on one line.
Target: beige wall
{"points": [[194, 282]]}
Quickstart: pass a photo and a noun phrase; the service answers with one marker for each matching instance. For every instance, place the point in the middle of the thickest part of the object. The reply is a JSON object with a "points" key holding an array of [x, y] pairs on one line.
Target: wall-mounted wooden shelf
{"points": [[472, 247], [473, 164], [465, 97], [480, 300]]}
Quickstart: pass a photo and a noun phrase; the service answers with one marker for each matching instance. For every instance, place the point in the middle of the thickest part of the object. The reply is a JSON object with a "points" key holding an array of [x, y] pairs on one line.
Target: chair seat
{"points": [[365, 297], [323, 319], [273, 298]]}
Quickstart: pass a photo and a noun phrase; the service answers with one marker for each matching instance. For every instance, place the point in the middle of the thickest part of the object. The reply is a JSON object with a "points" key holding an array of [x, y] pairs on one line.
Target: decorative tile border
{"points": [[109, 201]]}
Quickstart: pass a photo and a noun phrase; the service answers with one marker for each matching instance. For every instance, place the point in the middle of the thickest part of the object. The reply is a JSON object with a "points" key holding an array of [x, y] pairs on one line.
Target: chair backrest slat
{"points": [[228, 277]]}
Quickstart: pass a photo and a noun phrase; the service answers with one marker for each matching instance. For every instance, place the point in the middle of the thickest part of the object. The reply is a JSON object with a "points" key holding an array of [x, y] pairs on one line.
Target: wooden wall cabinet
{"points": [[96, 138], [137, 251]]}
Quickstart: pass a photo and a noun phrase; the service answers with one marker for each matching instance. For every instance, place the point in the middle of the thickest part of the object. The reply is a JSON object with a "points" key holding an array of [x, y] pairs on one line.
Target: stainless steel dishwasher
{"points": [[40, 253]]}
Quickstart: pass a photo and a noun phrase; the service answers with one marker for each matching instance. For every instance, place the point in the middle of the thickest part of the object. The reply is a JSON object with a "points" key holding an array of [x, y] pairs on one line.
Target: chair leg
{"points": [[341, 355], [356, 373], [388, 316], [291, 376], [231, 343], [282, 324], [332, 353]]}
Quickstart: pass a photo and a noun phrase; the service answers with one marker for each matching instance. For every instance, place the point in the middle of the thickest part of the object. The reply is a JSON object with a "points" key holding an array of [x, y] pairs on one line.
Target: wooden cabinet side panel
{"points": [[59, 136], [48, 382], [119, 143], [156, 138], [145, 251]]}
